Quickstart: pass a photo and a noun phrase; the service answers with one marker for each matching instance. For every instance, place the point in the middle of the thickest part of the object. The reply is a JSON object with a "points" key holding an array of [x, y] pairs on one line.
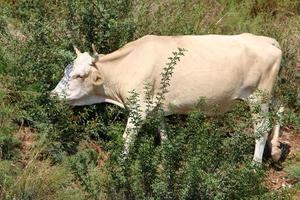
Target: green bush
{"points": [[41, 59]]}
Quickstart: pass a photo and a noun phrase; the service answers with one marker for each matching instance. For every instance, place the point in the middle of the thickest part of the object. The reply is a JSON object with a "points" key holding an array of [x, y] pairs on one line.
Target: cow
{"points": [[219, 68]]}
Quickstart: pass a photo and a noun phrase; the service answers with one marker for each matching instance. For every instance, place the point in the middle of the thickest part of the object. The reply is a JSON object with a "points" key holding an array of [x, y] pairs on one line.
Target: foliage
{"points": [[294, 172], [48, 182], [76, 152]]}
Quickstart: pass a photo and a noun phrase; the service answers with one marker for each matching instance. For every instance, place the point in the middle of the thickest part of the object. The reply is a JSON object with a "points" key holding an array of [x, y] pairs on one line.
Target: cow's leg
{"points": [[162, 132], [133, 125], [275, 145], [261, 122], [128, 136]]}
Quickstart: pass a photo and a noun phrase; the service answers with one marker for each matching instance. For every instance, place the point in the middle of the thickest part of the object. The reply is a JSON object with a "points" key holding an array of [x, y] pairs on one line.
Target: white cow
{"points": [[219, 68]]}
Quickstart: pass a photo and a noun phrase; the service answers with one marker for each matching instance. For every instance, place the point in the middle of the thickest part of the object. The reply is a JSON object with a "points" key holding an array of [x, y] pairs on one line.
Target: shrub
{"points": [[40, 180]]}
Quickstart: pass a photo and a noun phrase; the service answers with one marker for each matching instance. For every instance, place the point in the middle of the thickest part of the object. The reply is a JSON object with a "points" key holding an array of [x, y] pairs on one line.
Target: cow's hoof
{"points": [[277, 166], [276, 154], [256, 163]]}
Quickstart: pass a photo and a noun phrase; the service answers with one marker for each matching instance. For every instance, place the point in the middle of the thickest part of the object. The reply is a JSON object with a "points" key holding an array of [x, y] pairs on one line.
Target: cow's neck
{"points": [[115, 86], [110, 90], [111, 94]]}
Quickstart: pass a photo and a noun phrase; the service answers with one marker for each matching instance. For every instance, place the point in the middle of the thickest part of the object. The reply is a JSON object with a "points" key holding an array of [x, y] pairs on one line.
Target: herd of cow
{"points": [[218, 68]]}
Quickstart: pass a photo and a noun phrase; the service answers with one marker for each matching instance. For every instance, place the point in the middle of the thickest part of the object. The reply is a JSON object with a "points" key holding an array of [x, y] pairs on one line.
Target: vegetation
{"points": [[49, 150]]}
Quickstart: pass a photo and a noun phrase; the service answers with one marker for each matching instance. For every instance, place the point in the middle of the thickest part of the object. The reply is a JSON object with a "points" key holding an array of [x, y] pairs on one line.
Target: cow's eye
{"points": [[78, 76]]}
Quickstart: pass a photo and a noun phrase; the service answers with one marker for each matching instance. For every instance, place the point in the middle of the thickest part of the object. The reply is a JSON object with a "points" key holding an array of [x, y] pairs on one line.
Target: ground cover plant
{"points": [[49, 150]]}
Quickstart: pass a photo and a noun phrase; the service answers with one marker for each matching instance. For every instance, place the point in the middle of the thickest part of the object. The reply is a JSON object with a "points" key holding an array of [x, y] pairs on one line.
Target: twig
{"points": [[221, 19]]}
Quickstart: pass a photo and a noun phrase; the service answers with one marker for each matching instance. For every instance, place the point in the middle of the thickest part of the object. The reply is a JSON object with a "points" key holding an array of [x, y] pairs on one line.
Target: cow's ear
{"points": [[77, 51], [97, 78]]}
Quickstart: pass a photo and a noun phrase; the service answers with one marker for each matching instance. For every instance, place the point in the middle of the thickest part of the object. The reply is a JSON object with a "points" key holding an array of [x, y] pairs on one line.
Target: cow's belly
{"points": [[210, 105], [217, 91]]}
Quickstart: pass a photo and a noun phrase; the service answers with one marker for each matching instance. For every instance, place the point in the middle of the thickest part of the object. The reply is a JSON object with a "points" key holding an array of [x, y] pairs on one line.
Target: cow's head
{"points": [[82, 81]]}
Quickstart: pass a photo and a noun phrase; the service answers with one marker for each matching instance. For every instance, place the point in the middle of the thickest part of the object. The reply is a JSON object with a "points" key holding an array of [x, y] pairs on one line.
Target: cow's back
{"points": [[217, 68]]}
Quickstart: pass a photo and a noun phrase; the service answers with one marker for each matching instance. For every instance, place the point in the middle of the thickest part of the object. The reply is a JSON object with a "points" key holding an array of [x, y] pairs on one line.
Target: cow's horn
{"points": [[76, 50], [94, 50]]}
